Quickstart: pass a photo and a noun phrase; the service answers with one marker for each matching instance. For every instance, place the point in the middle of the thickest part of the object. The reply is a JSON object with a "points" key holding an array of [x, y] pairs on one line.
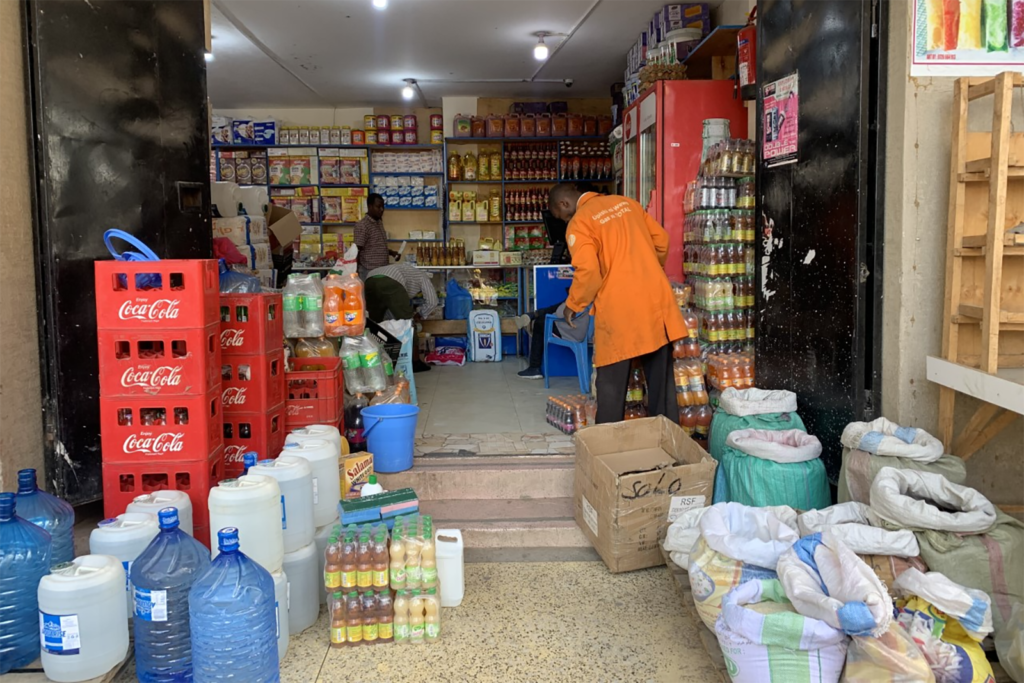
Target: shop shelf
{"points": [[404, 148], [168, 294], [158, 428], [252, 384], [263, 434], [406, 173], [478, 141], [409, 239], [475, 182], [314, 396], [474, 222], [339, 185], [413, 208], [250, 323], [158, 362], [540, 222], [297, 187], [524, 182]]}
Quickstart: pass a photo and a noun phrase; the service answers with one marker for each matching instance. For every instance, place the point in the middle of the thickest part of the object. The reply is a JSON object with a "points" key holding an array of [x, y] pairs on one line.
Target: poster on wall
{"points": [[781, 121], [967, 37]]}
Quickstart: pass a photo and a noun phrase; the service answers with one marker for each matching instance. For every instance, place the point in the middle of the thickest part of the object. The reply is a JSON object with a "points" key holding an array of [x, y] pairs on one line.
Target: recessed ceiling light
{"points": [[540, 51], [208, 56], [380, 4]]}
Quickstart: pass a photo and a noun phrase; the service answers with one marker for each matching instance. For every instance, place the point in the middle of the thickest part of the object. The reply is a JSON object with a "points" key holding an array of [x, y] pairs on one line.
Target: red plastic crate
{"points": [[173, 428], [188, 296], [261, 433], [251, 323], [123, 481], [252, 385], [314, 396], [159, 362]]}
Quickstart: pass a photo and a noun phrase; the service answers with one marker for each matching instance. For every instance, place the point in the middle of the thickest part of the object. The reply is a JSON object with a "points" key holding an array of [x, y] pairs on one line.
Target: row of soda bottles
{"points": [[335, 307], [719, 193], [727, 326], [409, 617], [723, 225], [718, 260], [722, 293], [569, 414], [689, 382], [367, 367], [726, 370]]}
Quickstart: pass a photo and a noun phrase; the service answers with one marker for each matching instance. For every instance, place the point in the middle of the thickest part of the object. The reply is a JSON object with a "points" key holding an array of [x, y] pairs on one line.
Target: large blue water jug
{"points": [[161, 579], [24, 559], [234, 622], [49, 512]]}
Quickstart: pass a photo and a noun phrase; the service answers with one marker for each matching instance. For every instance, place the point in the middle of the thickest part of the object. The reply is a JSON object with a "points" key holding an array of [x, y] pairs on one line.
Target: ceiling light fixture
{"points": [[208, 56], [540, 50], [380, 4], [409, 91]]}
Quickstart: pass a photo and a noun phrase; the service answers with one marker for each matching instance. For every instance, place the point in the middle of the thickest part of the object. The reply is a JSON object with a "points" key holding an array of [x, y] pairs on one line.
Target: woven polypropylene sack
{"points": [[751, 409], [764, 640], [762, 467]]}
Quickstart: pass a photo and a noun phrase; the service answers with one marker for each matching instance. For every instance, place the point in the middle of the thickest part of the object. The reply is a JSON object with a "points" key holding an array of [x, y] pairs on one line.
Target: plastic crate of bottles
{"points": [[315, 392], [123, 481], [140, 429], [263, 434], [250, 324], [170, 294], [158, 362], [252, 385]]}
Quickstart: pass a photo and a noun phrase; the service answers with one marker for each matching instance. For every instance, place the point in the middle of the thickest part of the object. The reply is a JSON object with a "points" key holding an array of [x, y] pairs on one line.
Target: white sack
{"points": [[851, 524], [682, 534], [910, 499], [786, 446], [884, 437], [746, 402], [971, 607], [754, 536]]}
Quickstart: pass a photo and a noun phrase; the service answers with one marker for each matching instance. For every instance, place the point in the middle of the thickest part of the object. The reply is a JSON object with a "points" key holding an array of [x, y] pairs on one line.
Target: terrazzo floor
{"points": [[532, 623]]}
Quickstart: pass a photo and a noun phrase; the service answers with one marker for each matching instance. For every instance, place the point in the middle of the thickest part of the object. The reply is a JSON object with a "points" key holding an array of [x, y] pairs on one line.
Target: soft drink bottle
{"points": [[293, 299], [234, 638], [332, 565], [348, 559], [417, 624], [24, 558], [353, 619], [334, 325], [48, 512], [313, 306], [379, 560], [386, 625], [351, 366], [336, 605], [401, 617], [162, 578], [432, 615], [354, 423], [364, 567], [371, 364], [353, 305], [371, 630]]}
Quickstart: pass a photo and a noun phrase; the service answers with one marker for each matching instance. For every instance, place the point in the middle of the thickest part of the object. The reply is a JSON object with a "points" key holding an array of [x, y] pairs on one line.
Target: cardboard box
{"points": [[511, 258], [486, 258], [631, 477], [356, 469], [284, 228]]}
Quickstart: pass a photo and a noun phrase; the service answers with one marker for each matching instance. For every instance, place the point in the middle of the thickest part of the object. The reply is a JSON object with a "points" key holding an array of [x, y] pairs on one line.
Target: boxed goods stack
{"points": [[252, 377], [414, 577], [160, 387]]}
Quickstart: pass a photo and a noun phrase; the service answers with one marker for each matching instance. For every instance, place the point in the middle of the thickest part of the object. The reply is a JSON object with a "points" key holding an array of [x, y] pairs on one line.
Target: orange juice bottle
{"points": [[353, 619], [385, 618], [371, 630], [364, 570], [333, 325], [353, 306], [337, 607], [348, 562], [379, 561], [332, 565]]}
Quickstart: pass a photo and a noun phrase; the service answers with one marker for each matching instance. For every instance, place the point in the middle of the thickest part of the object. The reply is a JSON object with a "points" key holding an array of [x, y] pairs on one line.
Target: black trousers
{"points": [[661, 389], [537, 340]]}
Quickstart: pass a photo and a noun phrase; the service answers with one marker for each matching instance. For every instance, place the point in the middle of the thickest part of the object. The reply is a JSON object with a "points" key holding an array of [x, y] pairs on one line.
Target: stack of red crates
{"points": [[160, 388], [252, 373], [315, 393]]}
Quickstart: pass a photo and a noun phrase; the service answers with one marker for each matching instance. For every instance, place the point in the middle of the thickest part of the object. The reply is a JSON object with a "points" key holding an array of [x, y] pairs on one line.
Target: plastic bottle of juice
{"points": [[401, 617], [348, 561], [386, 625], [417, 625], [428, 557], [688, 420], [364, 565], [432, 620], [337, 607], [371, 616], [397, 560], [332, 565], [333, 322], [353, 305], [703, 423], [353, 619], [379, 561], [413, 569]]}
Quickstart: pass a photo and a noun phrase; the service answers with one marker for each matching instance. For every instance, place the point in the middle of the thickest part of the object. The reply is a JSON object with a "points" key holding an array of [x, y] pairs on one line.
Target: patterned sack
{"points": [[751, 409]]}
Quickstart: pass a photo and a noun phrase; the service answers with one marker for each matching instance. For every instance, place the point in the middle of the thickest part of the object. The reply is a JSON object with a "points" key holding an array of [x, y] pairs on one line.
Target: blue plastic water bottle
{"points": [[24, 559], [161, 577], [49, 512], [248, 460], [234, 623]]}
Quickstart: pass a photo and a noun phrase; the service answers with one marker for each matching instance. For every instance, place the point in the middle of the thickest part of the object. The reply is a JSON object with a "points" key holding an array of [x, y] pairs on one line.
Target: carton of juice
{"points": [[355, 471]]}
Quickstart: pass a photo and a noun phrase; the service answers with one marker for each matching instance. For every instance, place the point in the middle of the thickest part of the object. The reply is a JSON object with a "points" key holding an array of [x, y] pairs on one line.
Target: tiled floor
{"points": [[530, 622], [485, 398]]}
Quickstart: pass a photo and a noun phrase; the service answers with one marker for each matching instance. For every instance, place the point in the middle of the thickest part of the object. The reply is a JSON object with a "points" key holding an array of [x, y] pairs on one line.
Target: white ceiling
{"points": [[345, 53]]}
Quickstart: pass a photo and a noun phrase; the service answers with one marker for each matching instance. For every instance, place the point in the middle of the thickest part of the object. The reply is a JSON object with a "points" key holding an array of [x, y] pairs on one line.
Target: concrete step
{"points": [[513, 530], [489, 477]]}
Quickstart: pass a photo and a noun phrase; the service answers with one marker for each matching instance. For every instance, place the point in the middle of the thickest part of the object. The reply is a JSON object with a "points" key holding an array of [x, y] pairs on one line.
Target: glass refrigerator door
{"points": [[648, 165], [629, 168]]}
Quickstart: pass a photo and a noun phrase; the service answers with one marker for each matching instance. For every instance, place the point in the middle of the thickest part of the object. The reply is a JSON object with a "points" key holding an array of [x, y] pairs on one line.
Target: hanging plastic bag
{"points": [[761, 467], [402, 330], [458, 303], [763, 640], [826, 580], [892, 657], [142, 280]]}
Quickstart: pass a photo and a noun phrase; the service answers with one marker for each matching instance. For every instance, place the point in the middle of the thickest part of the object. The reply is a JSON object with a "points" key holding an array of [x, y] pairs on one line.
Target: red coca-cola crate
{"points": [[187, 295], [252, 385], [263, 434], [314, 396], [159, 362], [251, 323], [174, 428], [123, 481]]}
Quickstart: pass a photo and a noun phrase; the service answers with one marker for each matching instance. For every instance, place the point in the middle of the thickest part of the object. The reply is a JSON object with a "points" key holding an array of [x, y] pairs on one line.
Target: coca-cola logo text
{"points": [[293, 410], [163, 376], [233, 396], [231, 338], [161, 309], [234, 454], [154, 445]]}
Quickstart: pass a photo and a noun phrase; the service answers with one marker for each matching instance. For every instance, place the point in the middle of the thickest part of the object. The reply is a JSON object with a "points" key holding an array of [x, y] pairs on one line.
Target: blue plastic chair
{"points": [[580, 349]]}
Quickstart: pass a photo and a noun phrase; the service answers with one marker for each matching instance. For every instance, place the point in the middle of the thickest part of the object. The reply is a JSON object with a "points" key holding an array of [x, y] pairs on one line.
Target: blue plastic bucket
{"points": [[390, 432]]}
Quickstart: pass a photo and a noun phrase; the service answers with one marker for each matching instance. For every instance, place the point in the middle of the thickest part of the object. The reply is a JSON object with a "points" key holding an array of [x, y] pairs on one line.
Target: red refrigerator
{"points": [[662, 134]]}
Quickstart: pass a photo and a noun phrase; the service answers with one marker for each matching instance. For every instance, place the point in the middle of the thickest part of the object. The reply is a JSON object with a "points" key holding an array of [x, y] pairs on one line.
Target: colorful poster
{"points": [[781, 121], [967, 37]]}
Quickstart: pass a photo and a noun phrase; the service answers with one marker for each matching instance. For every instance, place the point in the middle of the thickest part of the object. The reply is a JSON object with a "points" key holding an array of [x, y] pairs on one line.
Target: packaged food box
{"points": [[486, 258], [355, 471], [511, 258]]}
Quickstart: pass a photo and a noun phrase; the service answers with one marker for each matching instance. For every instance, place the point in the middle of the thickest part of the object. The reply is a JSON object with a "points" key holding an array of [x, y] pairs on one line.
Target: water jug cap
{"points": [[26, 480], [250, 458], [168, 518], [227, 539], [7, 503], [108, 521]]}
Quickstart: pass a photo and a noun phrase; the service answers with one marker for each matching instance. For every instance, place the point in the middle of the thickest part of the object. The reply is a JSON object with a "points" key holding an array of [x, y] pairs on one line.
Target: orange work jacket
{"points": [[618, 252]]}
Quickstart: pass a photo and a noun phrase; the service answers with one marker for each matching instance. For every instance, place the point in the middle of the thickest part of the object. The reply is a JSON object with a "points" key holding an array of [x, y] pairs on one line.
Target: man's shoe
{"points": [[532, 373]]}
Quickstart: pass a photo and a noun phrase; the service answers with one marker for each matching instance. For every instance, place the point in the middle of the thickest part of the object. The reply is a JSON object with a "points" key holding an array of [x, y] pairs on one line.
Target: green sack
{"points": [[751, 409], [761, 468]]}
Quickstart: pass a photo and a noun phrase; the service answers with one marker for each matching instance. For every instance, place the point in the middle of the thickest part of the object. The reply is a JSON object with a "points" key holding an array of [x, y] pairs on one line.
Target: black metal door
{"points": [[819, 253], [120, 127]]}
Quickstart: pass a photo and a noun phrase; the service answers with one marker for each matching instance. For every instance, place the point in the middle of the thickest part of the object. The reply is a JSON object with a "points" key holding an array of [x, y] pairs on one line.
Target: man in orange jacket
{"points": [[618, 252]]}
